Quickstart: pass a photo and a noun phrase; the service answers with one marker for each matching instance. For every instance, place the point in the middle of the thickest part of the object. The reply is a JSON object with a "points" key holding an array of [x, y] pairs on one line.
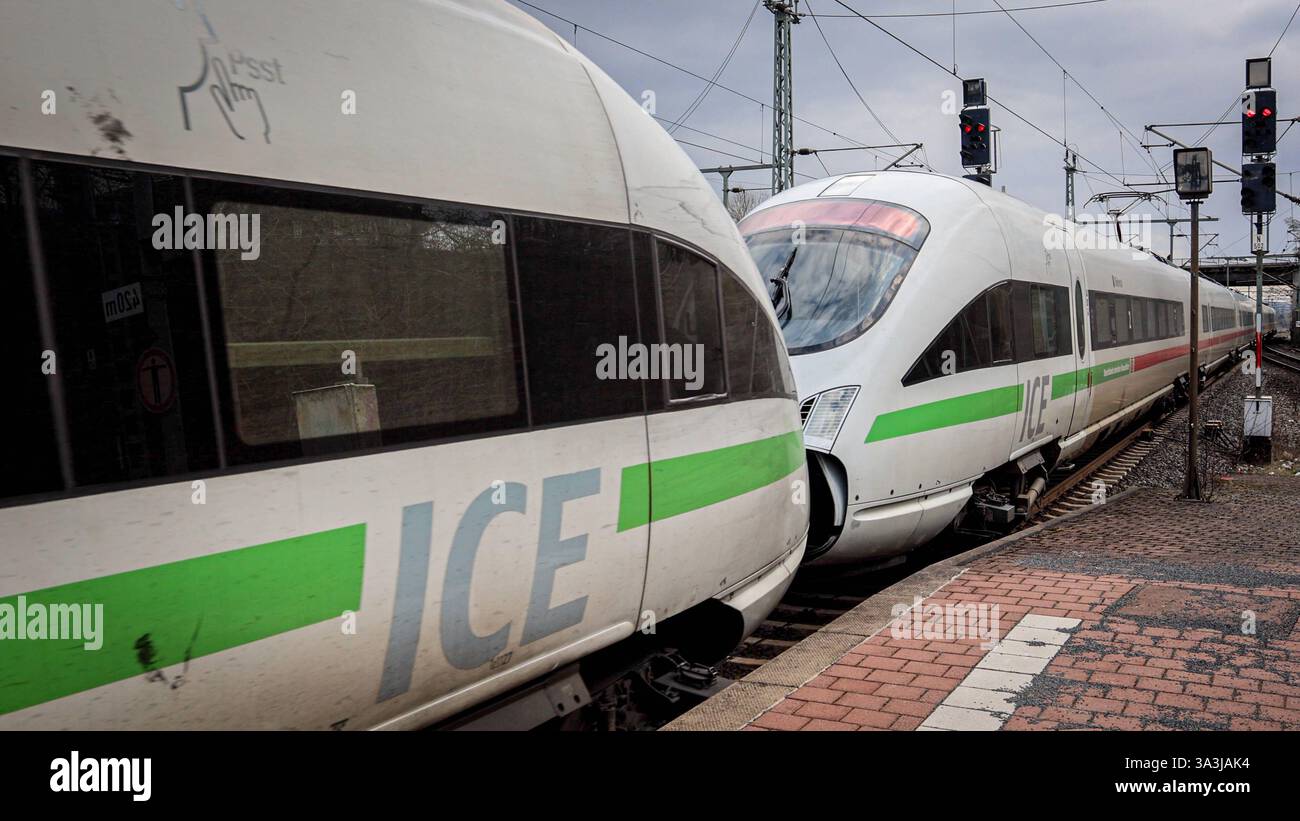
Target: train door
{"points": [[1081, 376]]}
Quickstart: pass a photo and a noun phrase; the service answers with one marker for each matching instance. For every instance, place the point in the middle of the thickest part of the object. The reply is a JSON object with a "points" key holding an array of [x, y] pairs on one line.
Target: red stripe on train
{"points": [[1147, 360]]}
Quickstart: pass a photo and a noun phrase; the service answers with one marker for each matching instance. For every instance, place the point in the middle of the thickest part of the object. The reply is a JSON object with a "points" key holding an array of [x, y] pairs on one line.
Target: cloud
{"points": [[1147, 61]]}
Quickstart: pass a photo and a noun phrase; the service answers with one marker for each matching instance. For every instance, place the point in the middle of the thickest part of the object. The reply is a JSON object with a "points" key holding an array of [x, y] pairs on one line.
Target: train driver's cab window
{"points": [[362, 323], [980, 336], [688, 296], [833, 265]]}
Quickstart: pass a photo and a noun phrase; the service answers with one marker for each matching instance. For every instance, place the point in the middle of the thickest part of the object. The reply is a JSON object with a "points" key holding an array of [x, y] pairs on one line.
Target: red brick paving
{"points": [[1187, 666]]}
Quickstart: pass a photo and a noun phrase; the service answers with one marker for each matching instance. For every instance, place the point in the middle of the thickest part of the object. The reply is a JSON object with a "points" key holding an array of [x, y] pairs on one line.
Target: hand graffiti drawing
{"points": [[234, 101], [240, 105]]}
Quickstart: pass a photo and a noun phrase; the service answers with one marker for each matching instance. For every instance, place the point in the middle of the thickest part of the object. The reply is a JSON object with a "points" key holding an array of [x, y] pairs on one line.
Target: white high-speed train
{"points": [[951, 345], [313, 417]]}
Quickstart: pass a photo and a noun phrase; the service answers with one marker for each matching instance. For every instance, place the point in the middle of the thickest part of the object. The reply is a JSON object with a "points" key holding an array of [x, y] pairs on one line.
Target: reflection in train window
{"points": [[129, 339], [362, 323]]}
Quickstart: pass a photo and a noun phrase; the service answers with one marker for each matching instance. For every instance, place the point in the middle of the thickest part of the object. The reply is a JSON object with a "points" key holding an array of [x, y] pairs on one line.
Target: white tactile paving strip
{"points": [[983, 700]]}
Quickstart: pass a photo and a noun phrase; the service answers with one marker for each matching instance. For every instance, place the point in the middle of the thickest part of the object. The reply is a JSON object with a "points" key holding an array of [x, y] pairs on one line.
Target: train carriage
{"points": [[952, 344], [324, 416]]}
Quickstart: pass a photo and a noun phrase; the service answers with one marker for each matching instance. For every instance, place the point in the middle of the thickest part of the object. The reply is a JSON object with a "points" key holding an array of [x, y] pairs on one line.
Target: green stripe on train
{"points": [[665, 488], [161, 616], [1067, 383], [976, 407], [956, 410]]}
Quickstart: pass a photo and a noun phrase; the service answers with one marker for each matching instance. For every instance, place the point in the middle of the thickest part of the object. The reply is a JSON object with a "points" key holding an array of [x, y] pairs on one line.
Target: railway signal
{"points": [[1258, 197], [1194, 181], [1259, 122], [976, 131], [1258, 188], [975, 140]]}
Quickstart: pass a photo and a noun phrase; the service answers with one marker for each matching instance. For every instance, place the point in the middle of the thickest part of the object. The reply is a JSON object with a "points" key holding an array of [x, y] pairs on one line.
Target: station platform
{"points": [[1145, 612]]}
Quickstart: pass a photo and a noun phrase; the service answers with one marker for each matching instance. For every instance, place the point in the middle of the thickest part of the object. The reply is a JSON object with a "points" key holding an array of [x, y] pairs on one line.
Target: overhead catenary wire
{"points": [[686, 71], [704, 133], [854, 87], [690, 109], [1284, 30], [1218, 121], [1119, 125], [990, 97], [955, 13]]}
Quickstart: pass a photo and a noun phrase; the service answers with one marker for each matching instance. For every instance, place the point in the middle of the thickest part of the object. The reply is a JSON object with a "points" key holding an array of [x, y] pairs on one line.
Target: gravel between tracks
{"points": [[1165, 465]]}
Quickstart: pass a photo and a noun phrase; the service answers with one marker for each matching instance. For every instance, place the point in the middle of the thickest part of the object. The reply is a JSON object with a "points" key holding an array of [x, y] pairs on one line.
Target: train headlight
{"points": [[827, 416]]}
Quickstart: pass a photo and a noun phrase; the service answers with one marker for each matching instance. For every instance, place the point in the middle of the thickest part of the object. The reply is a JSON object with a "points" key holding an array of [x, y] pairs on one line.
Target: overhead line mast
{"points": [[786, 14]]}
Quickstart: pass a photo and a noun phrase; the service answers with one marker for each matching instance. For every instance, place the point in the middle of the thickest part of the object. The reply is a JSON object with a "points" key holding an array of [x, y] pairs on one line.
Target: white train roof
{"points": [[945, 202], [464, 100]]}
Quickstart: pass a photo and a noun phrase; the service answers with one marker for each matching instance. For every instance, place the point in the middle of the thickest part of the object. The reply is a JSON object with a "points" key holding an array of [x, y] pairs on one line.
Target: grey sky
{"points": [[1147, 61]]}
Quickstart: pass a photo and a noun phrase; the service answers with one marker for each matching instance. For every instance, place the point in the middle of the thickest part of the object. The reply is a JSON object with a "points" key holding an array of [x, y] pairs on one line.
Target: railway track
{"points": [[1287, 361], [815, 600]]}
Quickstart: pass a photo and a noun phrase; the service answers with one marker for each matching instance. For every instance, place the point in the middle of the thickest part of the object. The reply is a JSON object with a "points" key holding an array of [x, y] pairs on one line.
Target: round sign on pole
{"points": [[155, 380]]}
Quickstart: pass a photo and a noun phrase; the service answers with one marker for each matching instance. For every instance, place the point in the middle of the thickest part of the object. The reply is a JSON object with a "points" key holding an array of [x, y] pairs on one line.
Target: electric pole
{"points": [[786, 13], [726, 171], [1194, 181]]}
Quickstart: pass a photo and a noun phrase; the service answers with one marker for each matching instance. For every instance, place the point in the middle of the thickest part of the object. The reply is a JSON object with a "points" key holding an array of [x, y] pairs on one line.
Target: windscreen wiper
{"points": [[782, 298]]}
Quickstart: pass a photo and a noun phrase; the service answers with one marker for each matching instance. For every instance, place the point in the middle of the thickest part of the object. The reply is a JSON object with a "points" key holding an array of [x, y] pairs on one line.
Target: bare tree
{"points": [[741, 203]]}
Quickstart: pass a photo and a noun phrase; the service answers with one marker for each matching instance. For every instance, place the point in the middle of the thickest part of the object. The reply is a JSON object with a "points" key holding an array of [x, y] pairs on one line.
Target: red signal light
{"points": [[981, 126], [1250, 113], [967, 129], [1267, 112]]}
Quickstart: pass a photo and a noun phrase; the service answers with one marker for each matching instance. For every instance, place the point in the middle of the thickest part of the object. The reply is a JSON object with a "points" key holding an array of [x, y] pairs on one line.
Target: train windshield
{"points": [[832, 266]]}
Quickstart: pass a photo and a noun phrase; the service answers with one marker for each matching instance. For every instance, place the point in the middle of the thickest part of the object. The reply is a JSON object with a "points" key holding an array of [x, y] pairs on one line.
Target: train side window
{"points": [[32, 445], [753, 355], [1048, 318], [1149, 326], [1103, 320], [688, 295], [363, 323], [971, 340], [1162, 320], [579, 302], [125, 303], [1122, 319], [1097, 304], [1078, 318], [1138, 305]]}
